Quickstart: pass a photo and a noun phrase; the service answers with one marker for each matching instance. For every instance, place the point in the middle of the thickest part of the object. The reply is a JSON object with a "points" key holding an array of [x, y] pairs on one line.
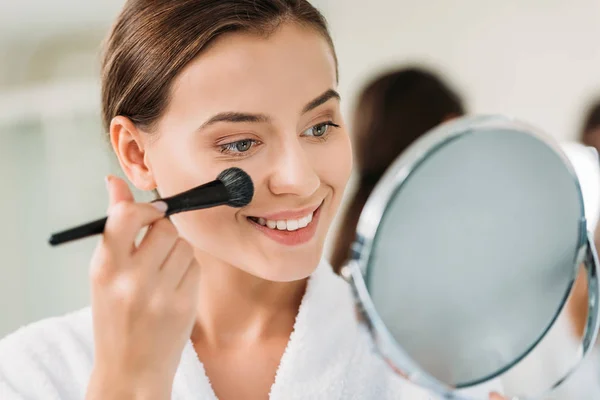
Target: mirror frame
{"points": [[356, 270]]}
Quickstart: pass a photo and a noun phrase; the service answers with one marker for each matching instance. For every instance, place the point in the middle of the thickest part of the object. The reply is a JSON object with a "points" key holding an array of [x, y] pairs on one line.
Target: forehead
{"points": [[247, 72]]}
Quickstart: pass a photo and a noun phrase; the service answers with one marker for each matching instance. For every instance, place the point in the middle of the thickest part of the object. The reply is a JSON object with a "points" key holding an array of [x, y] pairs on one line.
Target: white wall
{"points": [[30, 19], [535, 59]]}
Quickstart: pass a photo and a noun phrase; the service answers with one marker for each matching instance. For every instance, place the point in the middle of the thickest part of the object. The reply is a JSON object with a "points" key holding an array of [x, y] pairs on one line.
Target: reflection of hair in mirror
{"points": [[590, 131], [577, 306], [392, 111]]}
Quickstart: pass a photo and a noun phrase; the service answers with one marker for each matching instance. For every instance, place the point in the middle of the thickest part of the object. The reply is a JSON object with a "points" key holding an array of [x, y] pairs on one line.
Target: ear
{"points": [[129, 144]]}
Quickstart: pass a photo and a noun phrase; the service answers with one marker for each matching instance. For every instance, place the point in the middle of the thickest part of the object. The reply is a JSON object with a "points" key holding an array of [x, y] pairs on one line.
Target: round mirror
{"points": [[467, 251]]}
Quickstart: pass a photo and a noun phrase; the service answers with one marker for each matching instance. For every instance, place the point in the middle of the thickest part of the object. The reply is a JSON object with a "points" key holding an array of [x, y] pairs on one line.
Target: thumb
{"points": [[118, 190], [496, 396]]}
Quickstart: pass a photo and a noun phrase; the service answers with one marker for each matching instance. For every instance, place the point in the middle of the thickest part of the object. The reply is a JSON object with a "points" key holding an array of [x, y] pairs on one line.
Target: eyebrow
{"points": [[239, 117], [235, 117], [322, 99]]}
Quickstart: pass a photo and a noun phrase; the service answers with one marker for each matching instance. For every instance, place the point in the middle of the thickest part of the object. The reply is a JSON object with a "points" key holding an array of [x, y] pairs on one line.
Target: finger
{"points": [[496, 396], [126, 220], [176, 264], [157, 244], [118, 191], [189, 280], [101, 269]]}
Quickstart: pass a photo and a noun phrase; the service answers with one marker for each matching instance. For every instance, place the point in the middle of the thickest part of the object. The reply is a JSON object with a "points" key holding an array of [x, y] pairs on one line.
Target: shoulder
{"points": [[51, 358]]}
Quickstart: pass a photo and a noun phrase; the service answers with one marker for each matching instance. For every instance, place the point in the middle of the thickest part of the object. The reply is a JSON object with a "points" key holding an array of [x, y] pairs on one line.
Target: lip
{"points": [[291, 238], [290, 214]]}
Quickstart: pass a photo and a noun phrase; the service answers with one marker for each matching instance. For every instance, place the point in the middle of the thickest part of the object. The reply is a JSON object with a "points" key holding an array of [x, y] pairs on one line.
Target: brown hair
{"points": [[393, 110], [591, 121], [577, 304], [153, 40]]}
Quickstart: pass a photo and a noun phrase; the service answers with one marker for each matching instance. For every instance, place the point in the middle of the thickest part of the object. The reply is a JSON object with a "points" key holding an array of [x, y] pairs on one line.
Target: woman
{"points": [[190, 88]]}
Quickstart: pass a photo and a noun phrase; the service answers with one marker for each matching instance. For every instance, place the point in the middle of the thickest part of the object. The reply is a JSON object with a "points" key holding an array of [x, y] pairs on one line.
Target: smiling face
{"points": [[267, 105]]}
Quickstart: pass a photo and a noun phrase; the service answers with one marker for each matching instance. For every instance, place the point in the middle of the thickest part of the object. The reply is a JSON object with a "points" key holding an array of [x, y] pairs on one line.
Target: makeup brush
{"points": [[233, 187]]}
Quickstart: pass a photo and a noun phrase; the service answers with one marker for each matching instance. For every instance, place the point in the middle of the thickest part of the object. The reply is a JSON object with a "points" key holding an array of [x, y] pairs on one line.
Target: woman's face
{"points": [[270, 107]]}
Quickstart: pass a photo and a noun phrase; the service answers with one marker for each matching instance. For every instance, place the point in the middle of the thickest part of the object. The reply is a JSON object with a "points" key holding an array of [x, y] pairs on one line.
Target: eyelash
{"points": [[230, 148], [327, 125]]}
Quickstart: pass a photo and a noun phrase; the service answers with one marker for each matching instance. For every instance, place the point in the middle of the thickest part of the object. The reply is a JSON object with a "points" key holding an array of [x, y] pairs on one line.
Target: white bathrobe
{"points": [[329, 356]]}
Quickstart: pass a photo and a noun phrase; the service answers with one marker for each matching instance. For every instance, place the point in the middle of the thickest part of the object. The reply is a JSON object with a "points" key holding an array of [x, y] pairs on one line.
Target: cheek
{"points": [[206, 229], [178, 167], [334, 163]]}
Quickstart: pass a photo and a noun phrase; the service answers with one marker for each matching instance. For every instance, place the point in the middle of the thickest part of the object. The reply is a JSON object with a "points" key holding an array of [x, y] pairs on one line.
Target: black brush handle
{"points": [[211, 194], [79, 232]]}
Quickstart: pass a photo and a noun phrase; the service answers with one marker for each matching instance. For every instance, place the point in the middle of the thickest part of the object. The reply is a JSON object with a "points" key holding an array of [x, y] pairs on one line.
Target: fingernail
{"points": [[160, 206]]}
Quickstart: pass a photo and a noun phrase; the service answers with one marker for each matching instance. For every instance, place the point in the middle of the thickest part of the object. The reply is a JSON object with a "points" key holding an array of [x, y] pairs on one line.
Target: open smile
{"points": [[297, 228]]}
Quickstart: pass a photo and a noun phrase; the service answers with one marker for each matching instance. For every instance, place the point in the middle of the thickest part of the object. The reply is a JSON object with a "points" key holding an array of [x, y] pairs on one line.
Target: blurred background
{"points": [[537, 60]]}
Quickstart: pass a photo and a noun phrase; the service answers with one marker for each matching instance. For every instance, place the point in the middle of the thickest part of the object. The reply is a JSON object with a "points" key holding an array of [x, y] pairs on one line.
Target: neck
{"points": [[235, 307]]}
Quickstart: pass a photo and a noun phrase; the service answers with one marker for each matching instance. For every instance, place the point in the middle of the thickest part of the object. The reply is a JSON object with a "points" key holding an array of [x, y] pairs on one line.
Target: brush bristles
{"points": [[239, 186]]}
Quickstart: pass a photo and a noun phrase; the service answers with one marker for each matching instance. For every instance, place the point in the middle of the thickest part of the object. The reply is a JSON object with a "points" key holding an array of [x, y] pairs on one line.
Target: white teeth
{"points": [[292, 225], [303, 222], [286, 225]]}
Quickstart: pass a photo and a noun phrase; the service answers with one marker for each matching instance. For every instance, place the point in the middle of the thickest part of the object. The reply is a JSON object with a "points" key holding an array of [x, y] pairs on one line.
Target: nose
{"points": [[293, 172]]}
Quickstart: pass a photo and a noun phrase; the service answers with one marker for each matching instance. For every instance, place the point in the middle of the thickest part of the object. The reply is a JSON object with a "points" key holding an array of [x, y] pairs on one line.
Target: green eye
{"points": [[243, 145], [238, 147], [319, 130]]}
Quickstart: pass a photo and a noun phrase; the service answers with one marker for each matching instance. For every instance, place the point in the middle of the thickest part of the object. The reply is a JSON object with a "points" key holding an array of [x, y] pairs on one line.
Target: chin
{"points": [[286, 269]]}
